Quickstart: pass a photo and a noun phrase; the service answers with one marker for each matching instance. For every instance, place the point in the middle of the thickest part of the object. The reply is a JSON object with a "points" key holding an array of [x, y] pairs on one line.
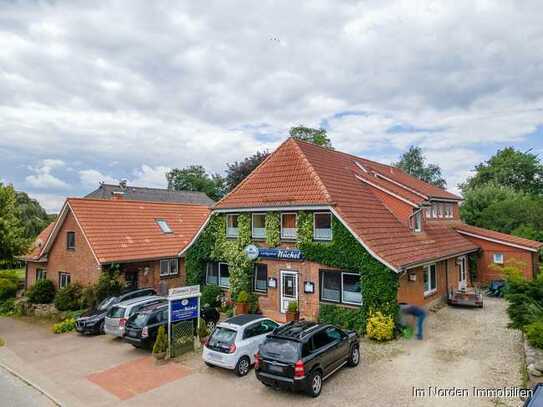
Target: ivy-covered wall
{"points": [[379, 284]]}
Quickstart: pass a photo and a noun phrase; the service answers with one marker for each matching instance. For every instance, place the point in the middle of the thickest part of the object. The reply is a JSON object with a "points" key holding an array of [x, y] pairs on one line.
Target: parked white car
{"points": [[117, 316], [234, 342]]}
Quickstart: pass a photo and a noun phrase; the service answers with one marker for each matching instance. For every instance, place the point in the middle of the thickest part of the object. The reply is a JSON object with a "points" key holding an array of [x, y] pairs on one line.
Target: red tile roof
{"points": [[34, 254], [119, 230], [301, 173], [500, 237]]}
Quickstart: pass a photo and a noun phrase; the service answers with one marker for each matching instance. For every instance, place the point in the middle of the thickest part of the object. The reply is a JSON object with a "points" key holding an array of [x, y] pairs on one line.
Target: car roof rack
{"points": [[295, 330]]}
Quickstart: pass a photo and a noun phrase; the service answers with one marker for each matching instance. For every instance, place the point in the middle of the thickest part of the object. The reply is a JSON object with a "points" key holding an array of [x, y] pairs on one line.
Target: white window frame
{"points": [[228, 228], [449, 210], [169, 268], [314, 226], [41, 274], [494, 258], [207, 274], [341, 293], [164, 226], [323, 272], [253, 225], [61, 281], [428, 212], [427, 270], [219, 275], [295, 227], [417, 221], [434, 210], [258, 290]]}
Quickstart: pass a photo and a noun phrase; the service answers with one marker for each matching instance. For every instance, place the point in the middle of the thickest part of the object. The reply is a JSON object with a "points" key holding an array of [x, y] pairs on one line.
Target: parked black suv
{"points": [[141, 329], [92, 322], [300, 355]]}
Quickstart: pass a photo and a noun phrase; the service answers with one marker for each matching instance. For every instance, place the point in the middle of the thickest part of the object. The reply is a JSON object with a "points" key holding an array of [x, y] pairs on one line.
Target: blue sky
{"points": [[173, 84]]}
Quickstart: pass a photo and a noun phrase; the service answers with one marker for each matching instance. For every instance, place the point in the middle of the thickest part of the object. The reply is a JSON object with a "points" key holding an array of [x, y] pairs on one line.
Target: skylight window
{"points": [[164, 226]]}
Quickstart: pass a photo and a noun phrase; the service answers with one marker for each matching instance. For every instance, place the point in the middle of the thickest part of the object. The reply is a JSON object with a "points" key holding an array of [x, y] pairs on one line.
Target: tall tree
{"points": [[511, 168], [195, 178], [237, 171], [315, 136], [33, 216], [414, 163], [12, 233]]}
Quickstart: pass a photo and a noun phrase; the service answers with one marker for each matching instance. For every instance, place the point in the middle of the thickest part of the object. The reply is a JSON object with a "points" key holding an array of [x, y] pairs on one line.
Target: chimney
{"points": [[118, 195]]}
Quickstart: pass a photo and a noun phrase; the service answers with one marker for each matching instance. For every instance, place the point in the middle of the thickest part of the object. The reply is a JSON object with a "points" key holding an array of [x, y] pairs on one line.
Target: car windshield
{"points": [[222, 337], [139, 320], [116, 312], [280, 349], [104, 305]]}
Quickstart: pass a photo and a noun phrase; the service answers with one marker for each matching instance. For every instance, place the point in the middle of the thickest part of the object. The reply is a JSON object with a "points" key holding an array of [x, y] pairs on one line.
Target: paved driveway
{"points": [[463, 348]]}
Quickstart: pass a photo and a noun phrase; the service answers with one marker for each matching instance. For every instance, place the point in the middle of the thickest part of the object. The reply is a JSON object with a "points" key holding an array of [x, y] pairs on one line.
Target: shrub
{"points": [[292, 307], [243, 297], [69, 298], [534, 334], [8, 289], [8, 308], [88, 297], [67, 325], [10, 275], [203, 332], [211, 295], [253, 303], [43, 292], [344, 317], [380, 327], [109, 284], [161, 343]]}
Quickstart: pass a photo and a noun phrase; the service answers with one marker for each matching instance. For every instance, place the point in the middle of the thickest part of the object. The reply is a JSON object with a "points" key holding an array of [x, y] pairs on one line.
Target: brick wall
{"points": [[149, 275], [485, 273]]}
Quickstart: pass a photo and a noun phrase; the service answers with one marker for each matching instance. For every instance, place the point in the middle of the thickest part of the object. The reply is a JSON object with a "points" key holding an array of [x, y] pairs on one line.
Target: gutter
{"points": [[431, 261]]}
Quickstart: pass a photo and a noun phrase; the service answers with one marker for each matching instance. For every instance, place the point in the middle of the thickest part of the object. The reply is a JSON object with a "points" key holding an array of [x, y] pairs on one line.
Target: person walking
{"points": [[419, 313]]}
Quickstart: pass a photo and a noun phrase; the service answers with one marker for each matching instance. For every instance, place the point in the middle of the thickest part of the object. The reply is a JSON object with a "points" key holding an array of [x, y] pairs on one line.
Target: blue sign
{"points": [[184, 309], [281, 254]]}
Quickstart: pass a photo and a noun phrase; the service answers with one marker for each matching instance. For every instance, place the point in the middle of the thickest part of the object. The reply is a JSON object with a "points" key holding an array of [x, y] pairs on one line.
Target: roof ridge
{"points": [[312, 170], [136, 201], [155, 189]]}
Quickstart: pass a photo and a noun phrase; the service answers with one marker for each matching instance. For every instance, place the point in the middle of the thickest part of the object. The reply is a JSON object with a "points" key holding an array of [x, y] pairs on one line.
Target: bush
{"points": [[8, 308], [380, 327], [534, 334], [10, 275], [210, 295], [292, 307], [88, 297], [67, 325], [69, 298], [161, 343], [203, 332], [109, 284], [253, 303], [243, 297], [8, 289], [43, 292], [344, 317]]}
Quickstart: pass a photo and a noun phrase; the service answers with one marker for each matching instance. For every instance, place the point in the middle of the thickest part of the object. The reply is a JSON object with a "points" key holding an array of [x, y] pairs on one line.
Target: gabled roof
{"points": [[39, 242], [120, 230], [303, 174], [131, 193], [497, 237]]}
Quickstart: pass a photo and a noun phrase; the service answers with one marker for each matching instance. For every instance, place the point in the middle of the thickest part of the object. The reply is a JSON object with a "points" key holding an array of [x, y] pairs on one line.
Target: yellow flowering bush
{"points": [[380, 327]]}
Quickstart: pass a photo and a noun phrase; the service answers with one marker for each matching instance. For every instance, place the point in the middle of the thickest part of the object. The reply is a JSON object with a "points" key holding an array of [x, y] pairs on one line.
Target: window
{"points": [[288, 226], [259, 328], [63, 279], [449, 213], [434, 210], [417, 221], [261, 278], [322, 224], [70, 240], [232, 229], [218, 274], [259, 226], [164, 227], [168, 267], [430, 279], [321, 339], [428, 211], [41, 274], [497, 258], [341, 287]]}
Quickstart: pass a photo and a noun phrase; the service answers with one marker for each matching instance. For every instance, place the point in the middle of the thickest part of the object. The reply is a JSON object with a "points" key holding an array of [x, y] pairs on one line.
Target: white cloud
{"points": [[42, 177], [92, 178], [50, 202], [150, 176]]}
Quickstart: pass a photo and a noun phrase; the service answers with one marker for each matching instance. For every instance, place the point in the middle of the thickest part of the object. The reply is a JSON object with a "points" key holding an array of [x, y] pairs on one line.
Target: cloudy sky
{"points": [[98, 91]]}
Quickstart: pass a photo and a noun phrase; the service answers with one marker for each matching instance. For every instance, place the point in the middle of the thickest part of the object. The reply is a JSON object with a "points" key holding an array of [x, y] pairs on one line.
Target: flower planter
{"points": [[242, 308], [292, 316]]}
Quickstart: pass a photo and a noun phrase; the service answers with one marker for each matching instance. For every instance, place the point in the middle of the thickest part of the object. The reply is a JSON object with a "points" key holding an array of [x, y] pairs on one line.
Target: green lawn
{"points": [[20, 272]]}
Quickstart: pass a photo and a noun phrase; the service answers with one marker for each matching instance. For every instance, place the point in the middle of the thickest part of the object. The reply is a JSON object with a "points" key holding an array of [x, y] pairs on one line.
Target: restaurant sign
{"points": [[254, 252]]}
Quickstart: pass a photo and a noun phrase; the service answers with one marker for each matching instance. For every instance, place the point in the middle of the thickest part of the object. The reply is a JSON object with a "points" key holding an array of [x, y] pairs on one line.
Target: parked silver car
{"points": [[118, 314]]}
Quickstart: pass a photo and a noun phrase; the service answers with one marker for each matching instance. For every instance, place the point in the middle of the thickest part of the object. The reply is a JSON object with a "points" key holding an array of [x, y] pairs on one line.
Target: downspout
{"points": [[447, 277]]}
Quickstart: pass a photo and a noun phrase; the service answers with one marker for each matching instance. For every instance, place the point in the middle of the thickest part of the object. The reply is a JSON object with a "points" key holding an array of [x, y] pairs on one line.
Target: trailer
{"points": [[469, 297]]}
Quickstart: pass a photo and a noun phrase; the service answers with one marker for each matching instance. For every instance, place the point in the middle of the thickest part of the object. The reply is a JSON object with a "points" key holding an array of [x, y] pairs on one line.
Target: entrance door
{"points": [[289, 289], [131, 278], [462, 282]]}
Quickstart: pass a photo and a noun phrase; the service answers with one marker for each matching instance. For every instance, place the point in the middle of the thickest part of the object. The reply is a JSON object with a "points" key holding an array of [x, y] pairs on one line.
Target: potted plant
{"points": [[203, 332], [292, 311], [242, 303], [161, 344]]}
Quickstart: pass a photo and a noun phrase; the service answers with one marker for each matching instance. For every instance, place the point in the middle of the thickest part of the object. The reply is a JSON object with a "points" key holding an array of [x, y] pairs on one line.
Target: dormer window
{"points": [[289, 226], [322, 223], [232, 229], [164, 227], [417, 221]]}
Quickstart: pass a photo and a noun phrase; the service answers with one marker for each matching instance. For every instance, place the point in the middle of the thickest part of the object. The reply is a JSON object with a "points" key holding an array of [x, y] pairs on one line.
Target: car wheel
{"points": [[354, 357], [210, 325], [314, 384], [209, 364], [243, 366]]}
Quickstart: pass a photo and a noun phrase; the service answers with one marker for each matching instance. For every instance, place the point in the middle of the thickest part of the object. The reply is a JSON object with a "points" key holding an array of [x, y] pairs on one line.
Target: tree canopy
{"points": [[237, 171], [195, 178], [521, 171], [315, 136], [414, 163], [33, 216], [12, 231]]}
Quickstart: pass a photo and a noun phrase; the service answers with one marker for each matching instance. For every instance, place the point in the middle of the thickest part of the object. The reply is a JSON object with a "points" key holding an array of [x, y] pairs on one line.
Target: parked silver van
{"points": [[118, 314]]}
